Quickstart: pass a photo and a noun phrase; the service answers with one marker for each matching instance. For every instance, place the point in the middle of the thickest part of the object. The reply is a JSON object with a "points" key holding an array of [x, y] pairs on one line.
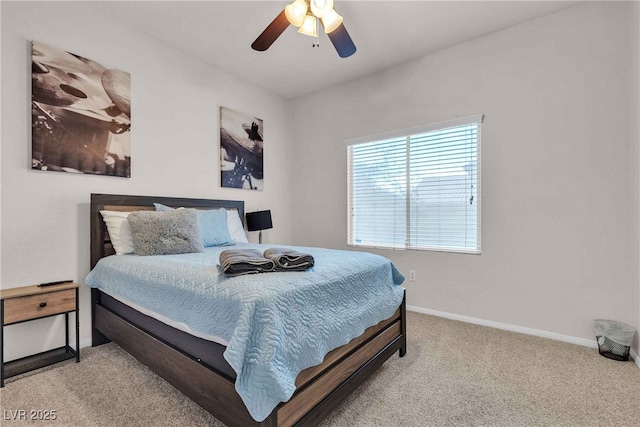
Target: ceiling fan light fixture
{"points": [[296, 12], [321, 7], [309, 26], [307, 15], [331, 21]]}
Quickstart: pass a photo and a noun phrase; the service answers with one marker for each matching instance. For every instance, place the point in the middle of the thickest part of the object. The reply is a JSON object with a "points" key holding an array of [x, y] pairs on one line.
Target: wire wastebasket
{"points": [[614, 338]]}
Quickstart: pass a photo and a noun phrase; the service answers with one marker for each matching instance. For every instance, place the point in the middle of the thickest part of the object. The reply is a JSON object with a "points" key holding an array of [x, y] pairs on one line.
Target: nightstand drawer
{"points": [[35, 306]]}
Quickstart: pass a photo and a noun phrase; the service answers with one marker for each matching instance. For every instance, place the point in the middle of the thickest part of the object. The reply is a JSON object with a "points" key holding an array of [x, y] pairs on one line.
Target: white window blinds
{"points": [[417, 188]]}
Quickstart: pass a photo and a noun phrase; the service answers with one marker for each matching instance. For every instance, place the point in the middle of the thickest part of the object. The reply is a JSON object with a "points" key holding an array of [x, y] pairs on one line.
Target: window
{"points": [[417, 188]]}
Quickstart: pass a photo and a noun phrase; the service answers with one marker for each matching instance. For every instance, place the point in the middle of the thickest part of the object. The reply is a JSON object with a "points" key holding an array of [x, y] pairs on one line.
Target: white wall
{"points": [[557, 169], [175, 149]]}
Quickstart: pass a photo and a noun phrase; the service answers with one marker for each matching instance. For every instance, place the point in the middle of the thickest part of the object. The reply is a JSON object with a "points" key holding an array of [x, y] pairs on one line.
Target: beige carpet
{"points": [[454, 374]]}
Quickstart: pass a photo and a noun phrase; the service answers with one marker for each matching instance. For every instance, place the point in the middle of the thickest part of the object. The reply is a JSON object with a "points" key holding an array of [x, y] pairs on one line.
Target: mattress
{"points": [[274, 324], [168, 321]]}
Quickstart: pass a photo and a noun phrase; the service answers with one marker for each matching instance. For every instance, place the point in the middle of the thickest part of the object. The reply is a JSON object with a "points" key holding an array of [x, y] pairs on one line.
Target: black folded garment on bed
{"points": [[289, 260], [236, 262]]}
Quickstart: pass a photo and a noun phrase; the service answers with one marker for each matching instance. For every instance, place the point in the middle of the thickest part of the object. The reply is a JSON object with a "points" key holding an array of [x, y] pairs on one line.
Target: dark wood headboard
{"points": [[100, 242]]}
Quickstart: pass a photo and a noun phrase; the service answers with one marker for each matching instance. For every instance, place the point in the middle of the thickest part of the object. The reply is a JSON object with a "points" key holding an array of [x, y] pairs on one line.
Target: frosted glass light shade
{"points": [[331, 21], [309, 27], [295, 12], [321, 7]]}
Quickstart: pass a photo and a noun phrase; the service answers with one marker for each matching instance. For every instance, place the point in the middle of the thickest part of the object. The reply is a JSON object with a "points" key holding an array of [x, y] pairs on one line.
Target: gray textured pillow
{"points": [[164, 233]]}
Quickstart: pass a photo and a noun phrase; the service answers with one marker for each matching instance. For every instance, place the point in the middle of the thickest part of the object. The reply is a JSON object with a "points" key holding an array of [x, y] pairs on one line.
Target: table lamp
{"points": [[258, 221]]}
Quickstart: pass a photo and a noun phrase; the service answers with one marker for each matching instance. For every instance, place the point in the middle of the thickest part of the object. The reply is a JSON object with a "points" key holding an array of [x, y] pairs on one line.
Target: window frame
{"points": [[407, 133]]}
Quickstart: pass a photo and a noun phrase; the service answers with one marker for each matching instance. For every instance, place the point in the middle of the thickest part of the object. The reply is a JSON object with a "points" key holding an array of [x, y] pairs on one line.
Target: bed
{"points": [[197, 366]]}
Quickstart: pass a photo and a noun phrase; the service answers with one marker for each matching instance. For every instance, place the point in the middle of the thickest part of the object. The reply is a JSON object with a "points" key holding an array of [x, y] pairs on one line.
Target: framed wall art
{"points": [[81, 114], [241, 150]]}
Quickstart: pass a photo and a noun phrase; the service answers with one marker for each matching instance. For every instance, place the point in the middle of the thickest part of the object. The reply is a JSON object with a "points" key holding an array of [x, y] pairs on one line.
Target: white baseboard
{"points": [[507, 327], [513, 328], [85, 343]]}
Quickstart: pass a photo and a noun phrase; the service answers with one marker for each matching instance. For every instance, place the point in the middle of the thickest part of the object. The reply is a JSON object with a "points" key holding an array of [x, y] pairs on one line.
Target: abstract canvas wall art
{"points": [[81, 114]]}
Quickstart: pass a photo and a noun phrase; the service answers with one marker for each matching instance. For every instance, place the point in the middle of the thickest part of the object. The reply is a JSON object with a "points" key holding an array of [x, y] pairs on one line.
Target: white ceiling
{"points": [[385, 32]]}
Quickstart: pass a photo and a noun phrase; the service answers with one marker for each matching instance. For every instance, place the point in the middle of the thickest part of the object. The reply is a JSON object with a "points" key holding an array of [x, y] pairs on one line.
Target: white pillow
{"points": [[235, 227], [119, 231]]}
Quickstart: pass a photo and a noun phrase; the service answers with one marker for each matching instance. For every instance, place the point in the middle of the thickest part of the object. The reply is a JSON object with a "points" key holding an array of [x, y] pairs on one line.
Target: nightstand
{"points": [[18, 305]]}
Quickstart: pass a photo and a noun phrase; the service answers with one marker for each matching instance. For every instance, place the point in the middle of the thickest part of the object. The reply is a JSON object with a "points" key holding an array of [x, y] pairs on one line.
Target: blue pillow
{"points": [[213, 225]]}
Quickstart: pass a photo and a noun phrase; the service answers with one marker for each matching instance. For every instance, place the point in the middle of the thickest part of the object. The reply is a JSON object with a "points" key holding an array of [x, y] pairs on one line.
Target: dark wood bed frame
{"points": [[196, 367]]}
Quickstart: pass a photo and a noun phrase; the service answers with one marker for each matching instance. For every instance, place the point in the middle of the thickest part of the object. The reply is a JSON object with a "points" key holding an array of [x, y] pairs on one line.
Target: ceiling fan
{"points": [[305, 14]]}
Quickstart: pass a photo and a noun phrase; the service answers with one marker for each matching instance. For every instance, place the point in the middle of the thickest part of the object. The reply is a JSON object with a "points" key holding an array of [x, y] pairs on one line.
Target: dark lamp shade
{"points": [[260, 220]]}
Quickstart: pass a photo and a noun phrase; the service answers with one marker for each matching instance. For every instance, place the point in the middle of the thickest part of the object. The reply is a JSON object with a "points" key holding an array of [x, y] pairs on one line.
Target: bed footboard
{"points": [[320, 389]]}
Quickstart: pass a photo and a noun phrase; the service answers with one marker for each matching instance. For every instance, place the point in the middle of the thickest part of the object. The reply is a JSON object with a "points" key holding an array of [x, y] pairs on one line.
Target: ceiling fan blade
{"points": [[271, 33], [342, 41]]}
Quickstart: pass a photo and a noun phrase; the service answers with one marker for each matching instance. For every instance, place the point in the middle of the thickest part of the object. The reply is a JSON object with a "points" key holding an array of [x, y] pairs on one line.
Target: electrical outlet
{"points": [[412, 275]]}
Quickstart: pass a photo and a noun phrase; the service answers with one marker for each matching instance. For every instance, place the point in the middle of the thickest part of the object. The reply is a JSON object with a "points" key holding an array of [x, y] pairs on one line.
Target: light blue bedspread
{"points": [[276, 324]]}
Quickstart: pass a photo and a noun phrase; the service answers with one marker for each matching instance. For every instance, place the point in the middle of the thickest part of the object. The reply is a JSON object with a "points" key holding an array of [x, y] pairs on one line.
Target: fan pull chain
{"points": [[316, 38]]}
